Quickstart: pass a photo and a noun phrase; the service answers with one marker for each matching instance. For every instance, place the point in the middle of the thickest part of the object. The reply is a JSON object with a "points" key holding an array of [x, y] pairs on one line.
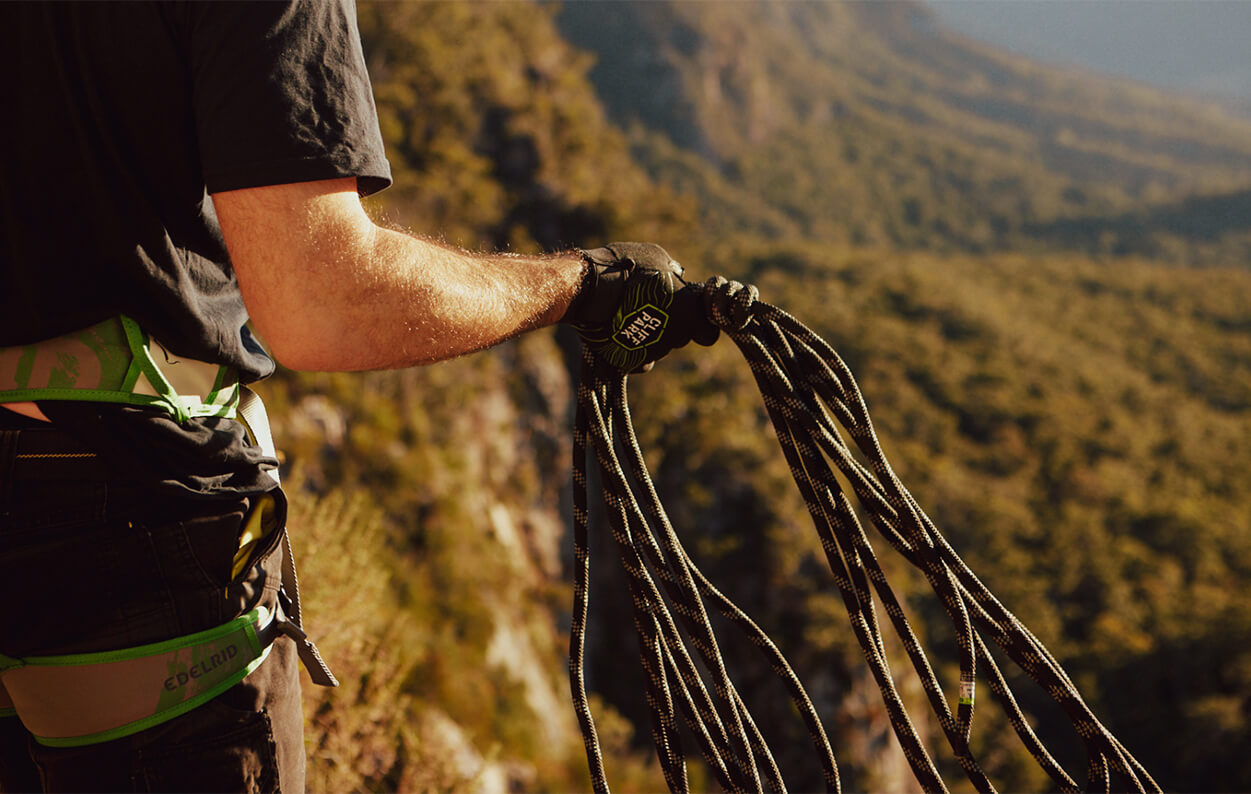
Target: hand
{"points": [[634, 307]]}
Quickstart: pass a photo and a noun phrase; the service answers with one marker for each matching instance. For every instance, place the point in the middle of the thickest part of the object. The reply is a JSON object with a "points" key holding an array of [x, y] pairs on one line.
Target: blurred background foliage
{"points": [[1039, 278]]}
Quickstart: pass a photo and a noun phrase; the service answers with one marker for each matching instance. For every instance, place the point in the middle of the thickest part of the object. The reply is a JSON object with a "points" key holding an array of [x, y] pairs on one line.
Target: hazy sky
{"points": [[1191, 45]]}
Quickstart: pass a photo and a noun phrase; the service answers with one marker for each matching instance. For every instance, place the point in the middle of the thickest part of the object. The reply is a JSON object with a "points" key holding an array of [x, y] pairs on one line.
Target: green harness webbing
{"points": [[85, 698], [113, 361]]}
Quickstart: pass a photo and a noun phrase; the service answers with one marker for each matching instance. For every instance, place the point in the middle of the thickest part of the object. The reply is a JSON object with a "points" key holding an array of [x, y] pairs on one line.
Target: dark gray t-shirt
{"points": [[121, 118]]}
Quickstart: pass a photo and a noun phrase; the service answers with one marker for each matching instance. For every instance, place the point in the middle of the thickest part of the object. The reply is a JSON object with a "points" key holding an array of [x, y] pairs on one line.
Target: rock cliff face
{"points": [[432, 537]]}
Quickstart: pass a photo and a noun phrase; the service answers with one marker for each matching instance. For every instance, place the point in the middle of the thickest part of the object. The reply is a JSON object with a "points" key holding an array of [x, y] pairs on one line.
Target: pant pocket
{"points": [[17, 771], [211, 539], [211, 749], [41, 509], [233, 751]]}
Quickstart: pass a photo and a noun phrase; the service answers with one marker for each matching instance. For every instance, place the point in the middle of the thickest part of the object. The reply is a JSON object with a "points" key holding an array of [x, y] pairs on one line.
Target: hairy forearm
{"points": [[330, 290], [444, 303], [406, 301]]}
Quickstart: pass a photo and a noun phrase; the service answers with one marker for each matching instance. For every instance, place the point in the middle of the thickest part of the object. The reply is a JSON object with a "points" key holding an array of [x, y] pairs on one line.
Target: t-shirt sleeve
{"points": [[281, 94]]}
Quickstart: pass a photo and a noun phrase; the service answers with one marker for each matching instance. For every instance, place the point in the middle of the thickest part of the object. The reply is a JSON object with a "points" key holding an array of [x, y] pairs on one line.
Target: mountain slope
{"points": [[866, 123], [495, 137]]}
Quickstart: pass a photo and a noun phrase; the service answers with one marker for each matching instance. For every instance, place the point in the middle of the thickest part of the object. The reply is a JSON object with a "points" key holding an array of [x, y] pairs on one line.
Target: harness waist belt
{"points": [[86, 698], [113, 361]]}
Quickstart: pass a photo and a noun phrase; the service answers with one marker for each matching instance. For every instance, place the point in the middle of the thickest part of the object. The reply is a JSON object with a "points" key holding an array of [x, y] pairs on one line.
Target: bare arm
{"points": [[330, 290]]}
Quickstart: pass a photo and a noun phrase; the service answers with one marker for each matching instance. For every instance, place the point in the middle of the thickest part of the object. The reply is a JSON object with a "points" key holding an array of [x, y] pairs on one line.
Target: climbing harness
{"points": [[116, 361], [86, 698], [808, 394]]}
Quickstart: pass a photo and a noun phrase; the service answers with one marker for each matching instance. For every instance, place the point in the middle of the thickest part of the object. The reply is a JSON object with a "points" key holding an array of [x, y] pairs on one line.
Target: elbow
{"points": [[293, 349], [302, 358], [303, 339]]}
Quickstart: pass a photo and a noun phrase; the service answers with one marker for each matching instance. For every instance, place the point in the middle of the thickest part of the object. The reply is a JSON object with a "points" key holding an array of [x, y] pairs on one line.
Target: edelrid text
{"points": [[640, 329], [202, 668]]}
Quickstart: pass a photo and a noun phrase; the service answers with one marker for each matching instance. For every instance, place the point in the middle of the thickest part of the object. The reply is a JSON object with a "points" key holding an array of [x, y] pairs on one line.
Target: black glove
{"points": [[633, 307]]}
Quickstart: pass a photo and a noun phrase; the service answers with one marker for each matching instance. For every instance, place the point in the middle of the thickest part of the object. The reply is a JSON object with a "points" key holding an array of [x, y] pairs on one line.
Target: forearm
{"points": [[330, 290], [409, 301]]}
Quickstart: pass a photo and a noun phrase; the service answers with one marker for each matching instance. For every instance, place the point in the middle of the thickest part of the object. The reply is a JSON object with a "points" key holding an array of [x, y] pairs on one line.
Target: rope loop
{"points": [[823, 427], [729, 305]]}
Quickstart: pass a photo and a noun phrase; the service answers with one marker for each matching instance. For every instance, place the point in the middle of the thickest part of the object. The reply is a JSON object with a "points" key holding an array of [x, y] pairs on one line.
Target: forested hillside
{"points": [[864, 123], [994, 247]]}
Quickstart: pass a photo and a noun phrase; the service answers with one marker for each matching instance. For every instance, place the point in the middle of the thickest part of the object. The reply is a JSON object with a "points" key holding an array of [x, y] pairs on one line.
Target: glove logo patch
{"points": [[641, 327]]}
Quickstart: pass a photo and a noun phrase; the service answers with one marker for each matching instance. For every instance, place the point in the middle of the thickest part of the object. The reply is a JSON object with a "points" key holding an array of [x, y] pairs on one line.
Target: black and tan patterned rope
{"points": [[814, 404]]}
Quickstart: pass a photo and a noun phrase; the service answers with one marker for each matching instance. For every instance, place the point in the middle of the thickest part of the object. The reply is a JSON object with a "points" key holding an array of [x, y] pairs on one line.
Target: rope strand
{"points": [[816, 409]]}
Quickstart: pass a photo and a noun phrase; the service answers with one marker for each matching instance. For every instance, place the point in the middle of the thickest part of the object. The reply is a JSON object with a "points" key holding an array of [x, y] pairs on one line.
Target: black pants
{"points": [[90, 564]]}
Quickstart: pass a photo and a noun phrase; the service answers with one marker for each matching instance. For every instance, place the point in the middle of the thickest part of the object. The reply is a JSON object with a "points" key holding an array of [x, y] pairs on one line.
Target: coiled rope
{"points": [[809, 393]]}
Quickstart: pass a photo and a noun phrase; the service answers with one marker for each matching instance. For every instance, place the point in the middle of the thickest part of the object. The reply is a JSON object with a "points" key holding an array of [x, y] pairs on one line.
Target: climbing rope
{"points": [[809, 393]]}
